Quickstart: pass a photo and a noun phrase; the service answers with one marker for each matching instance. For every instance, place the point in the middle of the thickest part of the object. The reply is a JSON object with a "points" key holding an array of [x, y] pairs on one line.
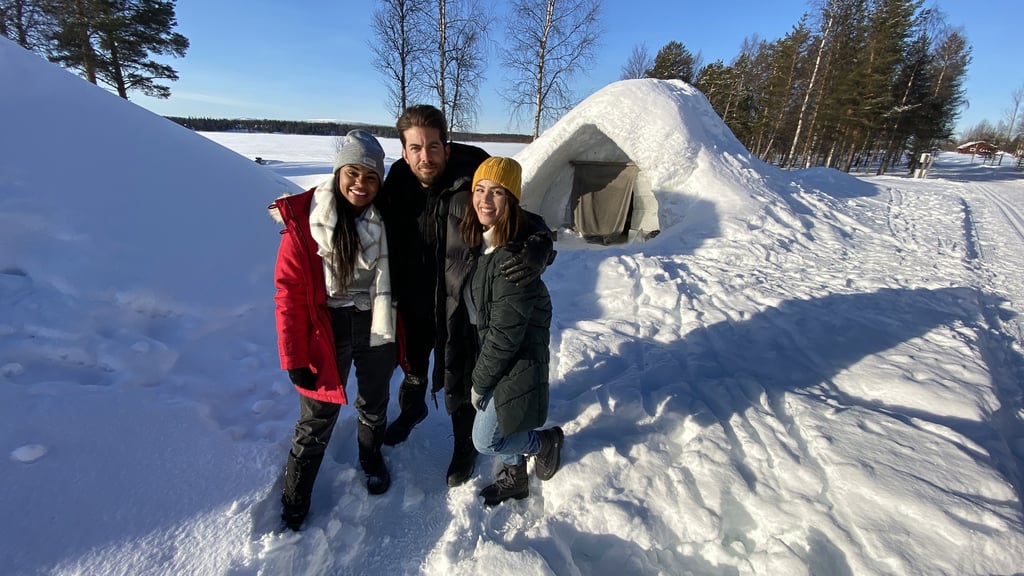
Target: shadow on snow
{"points": [[799, 347]]}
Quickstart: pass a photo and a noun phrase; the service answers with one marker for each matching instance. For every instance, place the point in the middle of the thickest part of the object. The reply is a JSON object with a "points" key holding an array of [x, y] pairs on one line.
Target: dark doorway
{"points": [[602, 200]]}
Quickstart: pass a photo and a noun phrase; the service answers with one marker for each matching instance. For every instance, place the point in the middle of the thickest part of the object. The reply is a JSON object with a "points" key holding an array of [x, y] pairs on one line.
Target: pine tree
{"points": [[111, 41], [890, 27], [26, 22], [950, 58], [674, 62], [785, 77], [745, 104], [714, 80], [912, 90]]}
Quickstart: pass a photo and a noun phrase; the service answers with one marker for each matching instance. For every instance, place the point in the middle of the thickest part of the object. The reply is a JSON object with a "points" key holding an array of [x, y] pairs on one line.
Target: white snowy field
{"points": [[831, 384]]}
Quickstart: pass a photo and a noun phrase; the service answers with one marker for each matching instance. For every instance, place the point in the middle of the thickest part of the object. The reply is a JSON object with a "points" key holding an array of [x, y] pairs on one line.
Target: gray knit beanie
{"points": [[361, 148]]}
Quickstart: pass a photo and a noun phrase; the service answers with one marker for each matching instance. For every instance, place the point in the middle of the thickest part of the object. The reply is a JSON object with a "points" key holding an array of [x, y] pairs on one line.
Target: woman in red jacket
{"points": [[333, 309]]}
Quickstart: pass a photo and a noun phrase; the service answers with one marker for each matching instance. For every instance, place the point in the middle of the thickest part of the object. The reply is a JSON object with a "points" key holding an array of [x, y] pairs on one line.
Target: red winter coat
{"points": [[304, 334]]}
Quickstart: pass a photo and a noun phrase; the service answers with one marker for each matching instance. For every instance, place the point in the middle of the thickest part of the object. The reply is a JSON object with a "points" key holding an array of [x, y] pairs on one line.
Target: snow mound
{"points": [[109, 218]]}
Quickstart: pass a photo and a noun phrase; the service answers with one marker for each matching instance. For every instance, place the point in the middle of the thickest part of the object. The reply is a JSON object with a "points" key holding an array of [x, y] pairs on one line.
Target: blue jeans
{"points": [[488, 439]]}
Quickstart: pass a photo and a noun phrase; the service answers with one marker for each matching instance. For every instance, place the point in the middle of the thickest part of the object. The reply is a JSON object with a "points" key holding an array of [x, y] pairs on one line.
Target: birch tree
{"points": [[824, 38], [1016, 98], [549, 42], [399, 45], [456, 63], [637, 64], [786, 57]]}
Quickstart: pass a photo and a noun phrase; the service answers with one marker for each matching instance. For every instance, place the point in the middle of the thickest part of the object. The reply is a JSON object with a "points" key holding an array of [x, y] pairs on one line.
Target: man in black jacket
{"points": [[415, 204]]}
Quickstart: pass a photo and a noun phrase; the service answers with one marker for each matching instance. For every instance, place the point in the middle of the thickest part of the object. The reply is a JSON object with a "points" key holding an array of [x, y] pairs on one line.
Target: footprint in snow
{"points": [[28, 453], [11, 369], [262, 406]]}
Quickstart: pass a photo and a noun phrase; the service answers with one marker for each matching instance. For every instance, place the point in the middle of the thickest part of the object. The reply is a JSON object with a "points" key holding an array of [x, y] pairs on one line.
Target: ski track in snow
{"points": [[1001, 224]]}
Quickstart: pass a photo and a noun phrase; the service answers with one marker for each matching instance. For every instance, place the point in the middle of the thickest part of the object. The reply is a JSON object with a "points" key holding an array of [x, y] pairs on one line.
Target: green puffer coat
{"points": [[513, 325]]}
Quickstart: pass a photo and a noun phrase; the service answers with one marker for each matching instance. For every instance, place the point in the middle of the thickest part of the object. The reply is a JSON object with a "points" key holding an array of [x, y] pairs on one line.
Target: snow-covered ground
{"points": [[831, 385]]}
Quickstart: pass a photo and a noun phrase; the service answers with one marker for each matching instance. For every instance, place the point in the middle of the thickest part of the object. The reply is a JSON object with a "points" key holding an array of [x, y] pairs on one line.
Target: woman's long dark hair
{"points": [[505, 229], [345, 242]]}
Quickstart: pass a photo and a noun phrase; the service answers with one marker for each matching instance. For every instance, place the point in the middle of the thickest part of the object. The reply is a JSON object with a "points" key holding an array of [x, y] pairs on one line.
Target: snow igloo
{"points": [[635, 158]]}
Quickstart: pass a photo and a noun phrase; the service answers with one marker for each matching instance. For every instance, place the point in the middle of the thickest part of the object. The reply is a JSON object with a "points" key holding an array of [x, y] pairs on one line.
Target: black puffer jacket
{"points": [[513, 324], [416, 222]]}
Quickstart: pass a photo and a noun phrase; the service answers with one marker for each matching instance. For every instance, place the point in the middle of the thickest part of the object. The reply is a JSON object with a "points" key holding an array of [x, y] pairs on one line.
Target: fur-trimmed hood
{"points": [[274, 210]]}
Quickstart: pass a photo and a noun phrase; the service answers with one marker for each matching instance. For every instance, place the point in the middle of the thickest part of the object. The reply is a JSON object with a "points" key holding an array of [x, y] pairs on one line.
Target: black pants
{"points": [[374, 366], [419, 341]]}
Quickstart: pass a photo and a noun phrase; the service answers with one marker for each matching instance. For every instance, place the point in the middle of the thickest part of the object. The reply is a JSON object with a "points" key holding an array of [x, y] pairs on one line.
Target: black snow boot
{"points": [[378, 480], [299, 476], [512, 482], [550, 456], [412, 399], [464, 453]]}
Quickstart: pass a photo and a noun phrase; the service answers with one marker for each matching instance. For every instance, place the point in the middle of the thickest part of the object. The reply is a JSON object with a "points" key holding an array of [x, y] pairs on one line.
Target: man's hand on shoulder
{"points": [[529, 259]]}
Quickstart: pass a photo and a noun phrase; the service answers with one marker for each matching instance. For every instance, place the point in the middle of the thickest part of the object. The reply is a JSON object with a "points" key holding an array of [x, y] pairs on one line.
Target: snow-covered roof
{"points": [[975, 144]]}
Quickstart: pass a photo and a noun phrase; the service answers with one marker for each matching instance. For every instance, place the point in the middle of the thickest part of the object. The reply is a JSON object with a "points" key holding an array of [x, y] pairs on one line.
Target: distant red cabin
{"points": [[980, 148]]}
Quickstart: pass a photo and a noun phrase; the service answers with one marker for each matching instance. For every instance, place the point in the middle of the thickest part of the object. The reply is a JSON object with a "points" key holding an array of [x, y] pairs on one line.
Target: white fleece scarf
{"points": [[373, 255]]}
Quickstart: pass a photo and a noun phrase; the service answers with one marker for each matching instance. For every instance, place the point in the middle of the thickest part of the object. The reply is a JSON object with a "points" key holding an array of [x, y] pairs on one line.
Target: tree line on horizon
{"points": [[321, 128], [855, 84], [865, 84]]}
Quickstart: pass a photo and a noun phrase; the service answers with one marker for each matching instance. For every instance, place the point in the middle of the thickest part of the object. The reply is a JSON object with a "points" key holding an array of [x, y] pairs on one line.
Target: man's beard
{"points": [[431, 178]]}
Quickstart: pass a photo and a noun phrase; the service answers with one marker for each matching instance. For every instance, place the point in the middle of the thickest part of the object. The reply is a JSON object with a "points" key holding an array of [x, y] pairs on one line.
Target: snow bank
{"points": [[119, 230]]}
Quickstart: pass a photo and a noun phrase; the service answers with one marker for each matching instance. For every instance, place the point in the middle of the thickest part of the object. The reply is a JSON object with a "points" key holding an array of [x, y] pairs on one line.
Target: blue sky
{"points": [[311, 60]]}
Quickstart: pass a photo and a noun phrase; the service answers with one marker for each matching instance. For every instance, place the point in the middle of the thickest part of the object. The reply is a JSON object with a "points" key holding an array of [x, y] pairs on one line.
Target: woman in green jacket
{"points": [[510, 377]]}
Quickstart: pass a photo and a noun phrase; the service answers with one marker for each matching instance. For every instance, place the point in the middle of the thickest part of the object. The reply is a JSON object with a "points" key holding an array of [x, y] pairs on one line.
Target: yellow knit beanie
{"points": [[503, 171]]}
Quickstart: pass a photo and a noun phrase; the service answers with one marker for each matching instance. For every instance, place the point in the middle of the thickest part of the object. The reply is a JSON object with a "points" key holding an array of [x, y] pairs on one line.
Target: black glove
{"points": [[303, 378], [529, 260]]}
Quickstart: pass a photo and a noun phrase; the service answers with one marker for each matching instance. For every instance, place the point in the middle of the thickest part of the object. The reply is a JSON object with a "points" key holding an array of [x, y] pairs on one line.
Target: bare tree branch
{"points": [[639, 61], [399, 47], [549, 42], [455, 67]]}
